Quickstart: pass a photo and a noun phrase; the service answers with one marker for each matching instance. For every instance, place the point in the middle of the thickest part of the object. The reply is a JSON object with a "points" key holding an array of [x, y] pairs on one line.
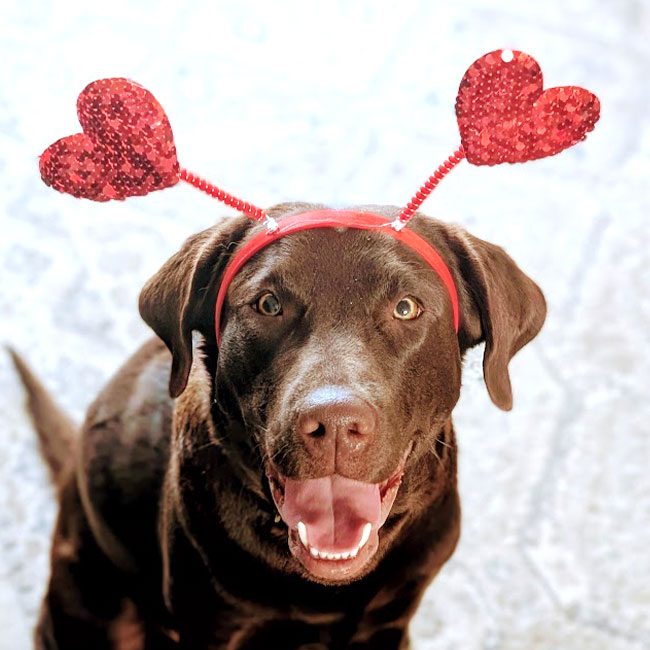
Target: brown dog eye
{"points": [[407, 309], [268, 305]]}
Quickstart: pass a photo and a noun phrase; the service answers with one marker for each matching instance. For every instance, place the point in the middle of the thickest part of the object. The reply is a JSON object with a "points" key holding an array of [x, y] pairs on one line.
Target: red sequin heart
{"points": [[126, 149], [505, 116]]}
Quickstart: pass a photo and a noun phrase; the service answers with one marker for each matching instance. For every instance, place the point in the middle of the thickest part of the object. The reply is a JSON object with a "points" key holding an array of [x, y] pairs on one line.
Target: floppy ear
{"points": [[180, 297], [499, 305]]}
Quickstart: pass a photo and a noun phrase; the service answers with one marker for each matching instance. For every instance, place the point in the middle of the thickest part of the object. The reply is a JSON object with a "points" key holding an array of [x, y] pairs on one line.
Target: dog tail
{"points": [[56, 431]]}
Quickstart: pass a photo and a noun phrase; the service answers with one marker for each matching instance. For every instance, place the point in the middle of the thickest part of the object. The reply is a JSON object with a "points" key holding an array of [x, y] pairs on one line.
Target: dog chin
{"points": [[334, 521]]}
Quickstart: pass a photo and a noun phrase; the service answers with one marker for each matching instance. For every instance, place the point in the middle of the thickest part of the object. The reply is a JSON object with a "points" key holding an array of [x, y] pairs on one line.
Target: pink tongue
{"points": [[334, 509]]}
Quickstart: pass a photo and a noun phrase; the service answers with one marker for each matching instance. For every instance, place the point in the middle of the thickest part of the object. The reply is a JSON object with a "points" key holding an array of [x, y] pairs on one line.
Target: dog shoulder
{"points": [[123, 454]]}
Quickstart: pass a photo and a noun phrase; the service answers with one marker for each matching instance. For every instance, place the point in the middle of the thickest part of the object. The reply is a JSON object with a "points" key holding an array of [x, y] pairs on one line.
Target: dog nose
{"points": [[334, 415]]}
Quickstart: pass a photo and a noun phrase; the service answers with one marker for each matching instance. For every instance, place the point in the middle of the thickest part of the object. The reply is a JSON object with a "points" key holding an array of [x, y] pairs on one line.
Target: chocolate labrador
{"points": [[294, 487]]}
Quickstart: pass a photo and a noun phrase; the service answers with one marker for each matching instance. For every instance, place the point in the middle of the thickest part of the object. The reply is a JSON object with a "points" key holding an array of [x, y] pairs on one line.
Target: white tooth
{"points": [[336, 556], [323, 555], [365, 535], [313, 551], [302, 533], [345, 556], [355, 552]]}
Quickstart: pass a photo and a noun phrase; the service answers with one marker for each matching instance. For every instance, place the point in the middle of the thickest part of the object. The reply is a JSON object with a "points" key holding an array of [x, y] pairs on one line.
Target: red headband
{"points": [[335, 219], [504, 115]]}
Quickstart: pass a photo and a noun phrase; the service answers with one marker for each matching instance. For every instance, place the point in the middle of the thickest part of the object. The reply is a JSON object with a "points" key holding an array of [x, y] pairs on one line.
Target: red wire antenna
{"points": [[429, 185], [253, 211]]}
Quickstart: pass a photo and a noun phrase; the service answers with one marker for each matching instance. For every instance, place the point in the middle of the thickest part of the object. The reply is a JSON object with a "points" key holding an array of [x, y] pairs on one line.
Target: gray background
{"points": [[352, 102]]}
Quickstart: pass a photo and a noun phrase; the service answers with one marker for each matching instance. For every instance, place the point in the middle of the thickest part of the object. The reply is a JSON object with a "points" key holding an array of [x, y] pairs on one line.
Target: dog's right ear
{"points": [[180, 298]]}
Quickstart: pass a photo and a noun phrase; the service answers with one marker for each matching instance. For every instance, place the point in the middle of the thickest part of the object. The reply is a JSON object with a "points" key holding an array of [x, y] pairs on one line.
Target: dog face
{"points": [[340, 360], [346, 356]]}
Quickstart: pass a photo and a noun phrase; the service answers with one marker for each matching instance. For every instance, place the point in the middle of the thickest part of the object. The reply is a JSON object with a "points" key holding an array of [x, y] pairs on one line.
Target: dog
{"points": [[295, 486]]}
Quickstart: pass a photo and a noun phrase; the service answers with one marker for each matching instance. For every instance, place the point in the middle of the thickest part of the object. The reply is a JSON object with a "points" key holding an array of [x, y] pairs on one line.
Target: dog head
{"points": [[340, 363]]}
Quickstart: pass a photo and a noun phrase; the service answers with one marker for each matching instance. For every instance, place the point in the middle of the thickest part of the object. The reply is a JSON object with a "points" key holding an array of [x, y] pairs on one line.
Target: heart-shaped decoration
{"points": [[504, 115], [126, 149]]}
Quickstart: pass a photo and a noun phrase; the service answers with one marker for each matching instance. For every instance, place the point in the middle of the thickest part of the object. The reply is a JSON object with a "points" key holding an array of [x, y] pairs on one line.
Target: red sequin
{"points": [[126, 149], [505, 116]]}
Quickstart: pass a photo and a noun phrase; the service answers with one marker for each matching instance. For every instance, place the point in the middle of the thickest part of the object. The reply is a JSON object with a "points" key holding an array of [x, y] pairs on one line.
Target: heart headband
{"points": [[504, 115]]}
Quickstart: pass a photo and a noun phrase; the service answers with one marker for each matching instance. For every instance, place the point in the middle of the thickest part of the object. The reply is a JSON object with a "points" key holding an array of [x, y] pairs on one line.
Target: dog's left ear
{"points": [[180, 297], [499, 305]]}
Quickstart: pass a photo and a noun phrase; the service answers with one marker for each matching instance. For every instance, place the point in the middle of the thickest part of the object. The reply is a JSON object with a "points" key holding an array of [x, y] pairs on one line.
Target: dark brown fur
{"points": [[167, 535]]}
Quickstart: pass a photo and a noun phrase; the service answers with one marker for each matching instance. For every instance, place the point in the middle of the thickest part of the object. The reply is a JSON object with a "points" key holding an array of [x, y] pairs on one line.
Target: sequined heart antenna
{"points": [[126, 149], [504, 115]]}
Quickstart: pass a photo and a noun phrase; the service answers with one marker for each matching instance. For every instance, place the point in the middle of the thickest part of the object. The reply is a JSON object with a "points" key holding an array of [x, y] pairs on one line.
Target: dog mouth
{"points": [[334, 521]]}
